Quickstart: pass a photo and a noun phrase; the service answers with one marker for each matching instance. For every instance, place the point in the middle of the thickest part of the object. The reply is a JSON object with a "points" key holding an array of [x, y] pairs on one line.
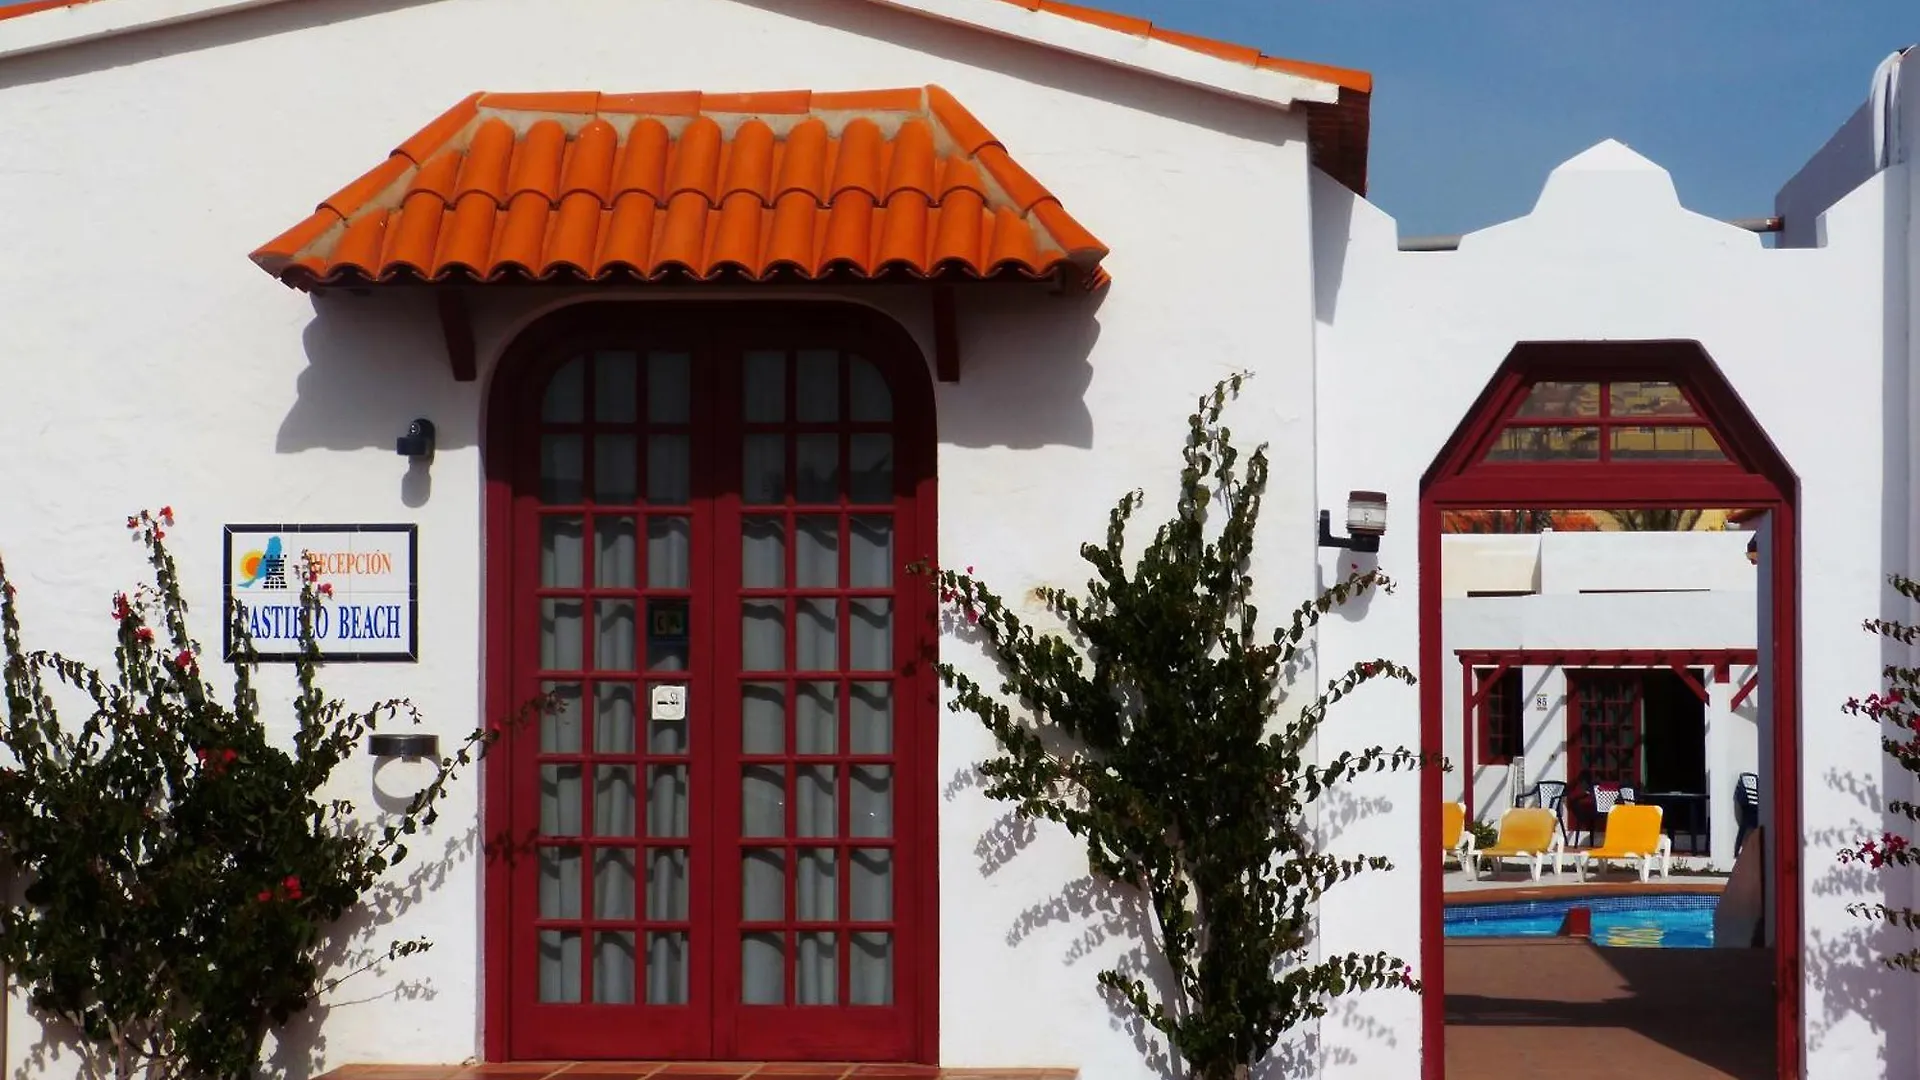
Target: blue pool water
{"points": [[1677, 921]]}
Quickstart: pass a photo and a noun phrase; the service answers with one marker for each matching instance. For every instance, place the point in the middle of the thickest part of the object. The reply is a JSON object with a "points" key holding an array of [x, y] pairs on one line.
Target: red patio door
{"points": [[709, 534]]}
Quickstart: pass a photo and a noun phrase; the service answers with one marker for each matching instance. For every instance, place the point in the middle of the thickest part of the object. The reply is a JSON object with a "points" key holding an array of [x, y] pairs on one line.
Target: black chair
{"points": [[1551, 794], [1746, 807]]}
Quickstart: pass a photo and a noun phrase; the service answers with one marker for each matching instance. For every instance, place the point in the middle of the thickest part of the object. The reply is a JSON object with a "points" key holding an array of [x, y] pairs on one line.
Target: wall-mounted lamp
{"points": [[411, 745], [1753, 551], [1366, 522], [417, 443]]}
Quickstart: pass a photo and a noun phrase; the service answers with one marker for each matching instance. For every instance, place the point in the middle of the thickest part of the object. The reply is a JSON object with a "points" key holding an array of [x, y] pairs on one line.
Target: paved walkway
{"points": [[1564, 1010]]}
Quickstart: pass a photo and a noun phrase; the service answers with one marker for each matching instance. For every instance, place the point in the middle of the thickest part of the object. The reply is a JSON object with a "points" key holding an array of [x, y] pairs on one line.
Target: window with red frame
{"points": [[1567, 422], [1501, 738]]}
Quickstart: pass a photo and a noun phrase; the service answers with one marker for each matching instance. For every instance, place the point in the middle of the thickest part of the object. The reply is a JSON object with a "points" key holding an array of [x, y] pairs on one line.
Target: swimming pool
{"points": [[1663, 921]]}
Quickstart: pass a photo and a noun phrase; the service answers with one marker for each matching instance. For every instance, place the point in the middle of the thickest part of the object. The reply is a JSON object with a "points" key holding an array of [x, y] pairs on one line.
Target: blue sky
{"points": [[1476, 100]]}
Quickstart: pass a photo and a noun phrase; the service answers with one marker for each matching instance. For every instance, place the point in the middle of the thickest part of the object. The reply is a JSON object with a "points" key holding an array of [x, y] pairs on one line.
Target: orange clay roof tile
{"points": [[882, 184]]}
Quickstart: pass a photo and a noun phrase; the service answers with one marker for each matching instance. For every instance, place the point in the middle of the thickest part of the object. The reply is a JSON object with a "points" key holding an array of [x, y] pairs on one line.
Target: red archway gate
{"points": [[1617, 425]]}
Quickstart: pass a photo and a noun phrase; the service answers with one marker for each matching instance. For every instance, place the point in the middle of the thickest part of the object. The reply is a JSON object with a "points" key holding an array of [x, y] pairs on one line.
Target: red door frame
{"points": [[853, 327], [1756, 475]]}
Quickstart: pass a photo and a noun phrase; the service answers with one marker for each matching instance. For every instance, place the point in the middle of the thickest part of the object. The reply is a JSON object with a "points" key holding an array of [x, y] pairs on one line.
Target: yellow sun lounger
{"points": [[1456, 842], [1633, 835], [1530, 833]]}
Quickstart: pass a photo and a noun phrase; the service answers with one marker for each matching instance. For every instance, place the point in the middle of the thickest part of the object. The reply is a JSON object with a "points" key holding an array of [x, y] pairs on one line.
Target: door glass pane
{"points": [[669, 387], [870, 460], [870, 809], [666, 736], [870, 969], [563, 471], [816, 978], [763, 970], [614, 800], [871, 645], [816, 556], [669, 553], [667, 968], [667, 800], [669, 470], [813, 810], [613, 967], [815, 720], [614, 632], [560, 800], [560, 728], [560, 551], [870, 718], [616, 388], [668, 630], [817, 468], [613, 714], [566, 394], [870, 551], [872, 402], [615, 549], [763, 470], [559, 882], [559, 966], [667, 884], [613, 883], [763, 553], [763, 635], [763, 800], [870, 889], [817, 386], [763, 718], [616, 470], [816, 636], [560, 635], [765, 388], [763, 881]]}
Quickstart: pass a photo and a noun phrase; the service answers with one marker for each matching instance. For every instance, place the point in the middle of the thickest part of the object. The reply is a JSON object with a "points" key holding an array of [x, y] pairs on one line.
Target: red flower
{"points": [[133, 522], [326, 589], [264, 896], [159, 534], [202, 754], [145, 634], [166, 515], [228, 755], [121, 609], [292, 886], [184, 661]]}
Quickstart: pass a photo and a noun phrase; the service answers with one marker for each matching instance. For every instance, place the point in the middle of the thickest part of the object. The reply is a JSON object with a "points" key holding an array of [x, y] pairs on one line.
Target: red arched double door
{"points": [[720, 845], [1617, 425]]}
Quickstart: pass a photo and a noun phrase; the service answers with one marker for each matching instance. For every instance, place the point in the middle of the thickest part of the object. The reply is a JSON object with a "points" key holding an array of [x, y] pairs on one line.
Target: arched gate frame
{"points": [[1617, 425]]}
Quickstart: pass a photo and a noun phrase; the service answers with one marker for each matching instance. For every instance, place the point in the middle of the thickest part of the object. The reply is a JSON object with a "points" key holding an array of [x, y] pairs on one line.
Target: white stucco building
{"points": [[1604, 657], [951, 300]]}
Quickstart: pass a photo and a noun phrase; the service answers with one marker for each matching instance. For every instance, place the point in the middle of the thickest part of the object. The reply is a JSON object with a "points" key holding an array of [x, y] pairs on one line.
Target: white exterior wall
{"points": [[1582, 601], [148, 361], [1808, 338]]}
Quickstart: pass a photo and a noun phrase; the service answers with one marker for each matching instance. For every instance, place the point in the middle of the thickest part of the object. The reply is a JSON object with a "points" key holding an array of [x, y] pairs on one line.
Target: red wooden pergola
{"points": [[1497, 662]]}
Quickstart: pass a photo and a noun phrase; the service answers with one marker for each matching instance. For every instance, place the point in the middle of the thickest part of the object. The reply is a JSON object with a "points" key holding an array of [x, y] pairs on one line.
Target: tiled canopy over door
{"points": [[712, 532]]}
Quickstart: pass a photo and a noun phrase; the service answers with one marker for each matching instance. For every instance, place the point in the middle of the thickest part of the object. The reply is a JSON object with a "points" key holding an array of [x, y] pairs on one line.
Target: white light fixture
{"points": [[1366, 522]]}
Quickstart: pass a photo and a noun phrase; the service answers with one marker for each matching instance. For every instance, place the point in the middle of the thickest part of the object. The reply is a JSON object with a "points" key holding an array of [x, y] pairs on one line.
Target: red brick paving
{"points": [[1565, 1010]]}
